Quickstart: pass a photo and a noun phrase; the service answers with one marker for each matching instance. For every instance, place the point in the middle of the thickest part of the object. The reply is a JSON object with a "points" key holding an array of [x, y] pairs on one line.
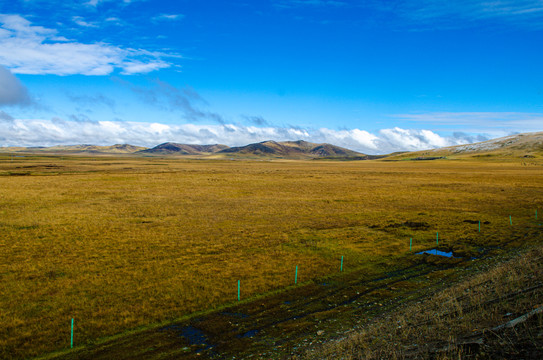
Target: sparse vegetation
{"points": [[119, 243], [496, 314]]}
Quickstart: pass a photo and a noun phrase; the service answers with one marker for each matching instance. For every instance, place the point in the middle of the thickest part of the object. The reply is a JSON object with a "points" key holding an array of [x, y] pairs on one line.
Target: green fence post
{"points": [[72, 335]]}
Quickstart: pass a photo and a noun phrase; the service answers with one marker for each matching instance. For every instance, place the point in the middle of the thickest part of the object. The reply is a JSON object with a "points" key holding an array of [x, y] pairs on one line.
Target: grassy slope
{"points": [[122, 243], [526, 146]]}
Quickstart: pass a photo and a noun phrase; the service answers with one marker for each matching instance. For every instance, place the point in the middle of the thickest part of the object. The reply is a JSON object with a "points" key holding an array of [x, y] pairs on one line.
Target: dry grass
{"points": [[118, 243], [459, 322]]}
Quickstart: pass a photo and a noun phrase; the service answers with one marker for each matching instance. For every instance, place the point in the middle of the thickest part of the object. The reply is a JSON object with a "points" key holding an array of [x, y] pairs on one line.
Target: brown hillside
{"points": [[291, 149], [184, 149]]}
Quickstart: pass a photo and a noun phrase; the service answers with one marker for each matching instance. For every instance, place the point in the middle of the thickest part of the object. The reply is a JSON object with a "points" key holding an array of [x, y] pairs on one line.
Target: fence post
{"points": [[72, 335]]}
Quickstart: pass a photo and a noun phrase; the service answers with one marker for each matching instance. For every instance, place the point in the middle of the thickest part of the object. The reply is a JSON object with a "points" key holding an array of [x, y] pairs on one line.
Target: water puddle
{"points": [[248, 334], [438, 253], [193, 335]]}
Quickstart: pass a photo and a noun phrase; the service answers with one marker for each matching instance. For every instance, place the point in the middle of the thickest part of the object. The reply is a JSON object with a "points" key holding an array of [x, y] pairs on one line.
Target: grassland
{"points": [[124, 242]]}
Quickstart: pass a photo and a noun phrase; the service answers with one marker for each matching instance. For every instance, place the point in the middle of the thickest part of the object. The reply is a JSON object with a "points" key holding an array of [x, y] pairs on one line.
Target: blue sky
{"points": [[373, 76]]}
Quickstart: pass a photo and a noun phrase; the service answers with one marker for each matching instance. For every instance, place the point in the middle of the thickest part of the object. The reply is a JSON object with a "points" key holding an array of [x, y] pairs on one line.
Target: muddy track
{"points": [[275, 326]]}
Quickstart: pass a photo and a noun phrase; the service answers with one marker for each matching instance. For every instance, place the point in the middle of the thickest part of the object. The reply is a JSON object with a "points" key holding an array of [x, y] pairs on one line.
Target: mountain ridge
{"points": [[183, 149], [80, 149], [525, 145], [298, 148]]}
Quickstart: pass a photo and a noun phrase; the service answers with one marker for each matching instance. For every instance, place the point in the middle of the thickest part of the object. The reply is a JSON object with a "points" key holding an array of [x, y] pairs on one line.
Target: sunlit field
{"points": [[119, 243]]}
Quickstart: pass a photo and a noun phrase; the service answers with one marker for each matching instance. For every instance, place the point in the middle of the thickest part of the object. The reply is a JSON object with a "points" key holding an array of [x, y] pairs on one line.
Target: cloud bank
{"points": [[38, 132], [12, 91], [30, 49]]}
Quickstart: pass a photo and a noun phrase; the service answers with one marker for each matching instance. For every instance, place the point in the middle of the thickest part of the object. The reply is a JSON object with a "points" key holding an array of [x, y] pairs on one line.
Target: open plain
{"points": [[121, 242]]}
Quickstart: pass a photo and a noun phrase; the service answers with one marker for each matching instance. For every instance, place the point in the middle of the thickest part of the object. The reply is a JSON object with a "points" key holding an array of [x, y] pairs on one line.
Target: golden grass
{"points": [[118, 243]]}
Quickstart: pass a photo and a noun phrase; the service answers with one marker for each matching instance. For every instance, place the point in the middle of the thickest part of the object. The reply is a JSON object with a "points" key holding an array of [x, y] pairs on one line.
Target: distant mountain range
{"points": [[266, 149], [522, 145], [286, 149], [79, 149], [298, 148], [184, 149]]}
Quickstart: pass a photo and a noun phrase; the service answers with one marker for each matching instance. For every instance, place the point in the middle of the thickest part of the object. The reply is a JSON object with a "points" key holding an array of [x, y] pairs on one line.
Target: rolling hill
{"points": [[290, 149], [79, 149], [267, 149], [184, 149], [526, 145], [286, 150]]}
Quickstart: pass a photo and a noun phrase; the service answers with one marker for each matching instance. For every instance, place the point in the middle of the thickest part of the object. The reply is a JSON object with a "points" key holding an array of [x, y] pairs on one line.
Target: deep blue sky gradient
{"points": [[340, 65]]}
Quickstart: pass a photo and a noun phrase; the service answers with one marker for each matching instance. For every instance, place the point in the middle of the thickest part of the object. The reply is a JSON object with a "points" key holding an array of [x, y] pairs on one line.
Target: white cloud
{"points": [[137, 67], [95, 3], [352, 139], [30, 49], [168, 17], [81, 22], [38, 132], [12, 91], [398, 139]]}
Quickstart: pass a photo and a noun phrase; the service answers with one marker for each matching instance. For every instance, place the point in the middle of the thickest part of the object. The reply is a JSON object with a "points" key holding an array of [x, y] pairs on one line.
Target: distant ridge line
{"points": [[287, 149], [525, 145]]}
